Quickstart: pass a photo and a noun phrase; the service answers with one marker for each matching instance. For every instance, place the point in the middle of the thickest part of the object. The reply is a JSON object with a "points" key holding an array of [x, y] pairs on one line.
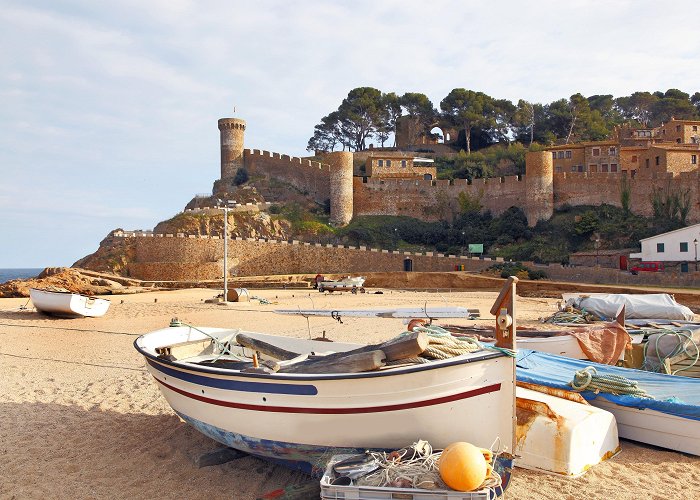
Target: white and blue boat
{"points": [[302, 419], [668, 418]]}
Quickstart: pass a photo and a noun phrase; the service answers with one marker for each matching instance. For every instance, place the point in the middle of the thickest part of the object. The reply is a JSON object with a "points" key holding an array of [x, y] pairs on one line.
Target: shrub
{"points": [[241, 176]]}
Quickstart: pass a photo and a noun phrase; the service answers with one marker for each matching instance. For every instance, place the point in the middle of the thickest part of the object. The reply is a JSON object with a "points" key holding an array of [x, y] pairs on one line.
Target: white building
{"points": [[680, 245]]}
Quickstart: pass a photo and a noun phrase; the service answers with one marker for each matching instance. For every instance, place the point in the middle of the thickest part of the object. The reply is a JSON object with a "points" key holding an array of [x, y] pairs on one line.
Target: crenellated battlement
{"points": [[296, 161]]}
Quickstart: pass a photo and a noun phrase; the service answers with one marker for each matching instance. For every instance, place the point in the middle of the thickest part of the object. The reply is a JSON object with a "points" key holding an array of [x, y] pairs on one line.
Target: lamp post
{"points": [[463, 235], [695, 242], [224, 204], [396, 238]]}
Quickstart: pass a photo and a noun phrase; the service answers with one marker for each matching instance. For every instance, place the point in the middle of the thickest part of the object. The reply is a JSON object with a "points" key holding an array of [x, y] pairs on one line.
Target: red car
{"points": [[647, 267]]}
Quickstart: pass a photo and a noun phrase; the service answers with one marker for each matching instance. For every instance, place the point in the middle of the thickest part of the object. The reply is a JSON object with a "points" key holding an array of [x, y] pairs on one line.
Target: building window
{"points": [[557, 168], [560, 154], [657, 160], [574, 168], [403, 163], [695, 128], [694, 159], [581, 168], [646, 163], [612, 150], [678, 128], [380, 163], [684, 246], [660, 248], [604, 167], [568, 154], [554, 155], [592, 168], [596, 152], [388, 163], [613, 167], [634, 158]]}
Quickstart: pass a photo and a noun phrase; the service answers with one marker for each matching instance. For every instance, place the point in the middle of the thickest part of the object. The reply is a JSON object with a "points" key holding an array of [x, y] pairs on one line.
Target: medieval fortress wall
{"points": [[537, 193]]}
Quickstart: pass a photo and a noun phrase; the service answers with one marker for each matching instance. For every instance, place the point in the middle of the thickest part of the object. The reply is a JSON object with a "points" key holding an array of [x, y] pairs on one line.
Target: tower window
{"points": [[657, 160], [380, 163], [403, 163], [694, 159]]}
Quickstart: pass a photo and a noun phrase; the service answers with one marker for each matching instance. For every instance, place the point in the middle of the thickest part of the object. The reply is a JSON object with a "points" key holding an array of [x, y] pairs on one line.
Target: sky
{"points": [[108, 110]]}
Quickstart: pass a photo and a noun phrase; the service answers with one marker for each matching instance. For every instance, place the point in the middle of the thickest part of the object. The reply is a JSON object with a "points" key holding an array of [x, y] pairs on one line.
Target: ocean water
{"points": [[17, 273]]}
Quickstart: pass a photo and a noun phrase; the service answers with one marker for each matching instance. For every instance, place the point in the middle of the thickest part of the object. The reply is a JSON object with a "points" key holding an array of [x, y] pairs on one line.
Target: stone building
{"points": [[403, 166]]}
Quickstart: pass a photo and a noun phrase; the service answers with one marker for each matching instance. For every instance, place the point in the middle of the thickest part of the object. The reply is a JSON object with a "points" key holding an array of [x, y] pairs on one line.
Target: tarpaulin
{"points": [[637, 306]]}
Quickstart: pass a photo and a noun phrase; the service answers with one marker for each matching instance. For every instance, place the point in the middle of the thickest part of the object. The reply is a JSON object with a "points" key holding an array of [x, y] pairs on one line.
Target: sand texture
{"points": [[81, 418]]}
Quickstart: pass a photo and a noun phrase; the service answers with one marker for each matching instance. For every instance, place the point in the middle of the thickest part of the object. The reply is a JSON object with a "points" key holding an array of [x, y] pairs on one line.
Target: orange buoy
{"points": [[463, 466]]}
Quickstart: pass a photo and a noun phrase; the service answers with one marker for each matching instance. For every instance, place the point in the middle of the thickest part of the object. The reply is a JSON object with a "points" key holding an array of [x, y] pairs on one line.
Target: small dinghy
{"points": [[65, 304]]}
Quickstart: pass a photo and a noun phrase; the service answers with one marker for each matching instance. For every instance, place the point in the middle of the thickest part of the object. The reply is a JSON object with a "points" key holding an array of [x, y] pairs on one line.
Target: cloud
{"points": [[111, 108]]}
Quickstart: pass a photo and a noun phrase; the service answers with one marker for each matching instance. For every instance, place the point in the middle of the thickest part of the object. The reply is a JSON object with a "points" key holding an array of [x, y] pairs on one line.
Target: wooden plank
{"points": [[265, 347], [350, 363], [185, 349]]}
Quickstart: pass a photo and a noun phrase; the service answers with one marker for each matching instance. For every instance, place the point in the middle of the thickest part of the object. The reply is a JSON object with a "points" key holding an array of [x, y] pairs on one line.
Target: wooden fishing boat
{"points": [[67, 304], [299, 417], [669, 417]]}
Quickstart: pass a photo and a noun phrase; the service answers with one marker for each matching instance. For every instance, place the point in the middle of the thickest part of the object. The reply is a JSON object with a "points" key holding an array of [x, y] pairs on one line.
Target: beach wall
{"points": [[186, 257], [189, 258]]}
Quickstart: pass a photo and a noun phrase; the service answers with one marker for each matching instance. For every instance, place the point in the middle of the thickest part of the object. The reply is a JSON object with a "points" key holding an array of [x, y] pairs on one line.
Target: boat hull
{"points": [[302, 417], [68, 305]]}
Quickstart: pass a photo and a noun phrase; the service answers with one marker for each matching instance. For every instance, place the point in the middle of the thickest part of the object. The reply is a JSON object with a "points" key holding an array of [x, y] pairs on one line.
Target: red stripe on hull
{"points": [[367, 409]]}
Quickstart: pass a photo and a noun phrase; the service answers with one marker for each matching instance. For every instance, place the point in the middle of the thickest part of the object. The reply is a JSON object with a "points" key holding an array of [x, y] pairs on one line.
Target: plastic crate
{"points": [[336, 492]]}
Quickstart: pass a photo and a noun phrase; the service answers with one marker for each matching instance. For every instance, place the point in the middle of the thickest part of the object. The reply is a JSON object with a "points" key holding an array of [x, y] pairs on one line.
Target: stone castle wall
{"points": [[434, 200], [307, 176]]}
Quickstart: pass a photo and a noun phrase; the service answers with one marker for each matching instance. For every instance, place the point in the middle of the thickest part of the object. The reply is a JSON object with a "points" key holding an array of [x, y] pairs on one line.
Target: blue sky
{"points": [[109, 109]]}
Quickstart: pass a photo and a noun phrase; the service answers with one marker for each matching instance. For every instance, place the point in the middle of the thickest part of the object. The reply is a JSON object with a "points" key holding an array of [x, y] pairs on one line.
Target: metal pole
{"points": [[695, 242], [226, 252]]}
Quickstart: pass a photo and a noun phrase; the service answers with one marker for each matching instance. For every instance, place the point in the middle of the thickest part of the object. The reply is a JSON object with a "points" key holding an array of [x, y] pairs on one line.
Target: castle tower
{"points": [[232, 133], [539, 186], [341, 187]]}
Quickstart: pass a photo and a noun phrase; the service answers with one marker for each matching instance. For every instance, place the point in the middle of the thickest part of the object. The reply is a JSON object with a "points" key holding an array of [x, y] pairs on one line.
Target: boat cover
{"points": [[671, 394], [637, 306]]}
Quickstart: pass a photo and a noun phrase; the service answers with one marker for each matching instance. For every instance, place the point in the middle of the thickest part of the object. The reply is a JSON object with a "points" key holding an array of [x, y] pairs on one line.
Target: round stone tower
{"points": [[232, 133], [539, 186], [341, 187]]}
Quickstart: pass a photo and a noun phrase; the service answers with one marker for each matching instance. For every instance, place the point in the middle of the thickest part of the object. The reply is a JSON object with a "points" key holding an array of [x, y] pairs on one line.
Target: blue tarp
{"points": [[671, 394]]}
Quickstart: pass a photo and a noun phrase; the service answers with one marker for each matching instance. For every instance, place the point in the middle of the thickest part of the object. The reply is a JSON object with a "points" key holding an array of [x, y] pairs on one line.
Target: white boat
{"points": [[302, 417], [348, 283], [67, 304], [669, 417], [561, 436]]}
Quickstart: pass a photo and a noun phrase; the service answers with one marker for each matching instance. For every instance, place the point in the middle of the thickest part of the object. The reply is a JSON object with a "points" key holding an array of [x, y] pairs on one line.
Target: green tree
{"points": [[524, 119], [638, 107], [392, 110], [359, 114], [468, 109], [420, 111]]}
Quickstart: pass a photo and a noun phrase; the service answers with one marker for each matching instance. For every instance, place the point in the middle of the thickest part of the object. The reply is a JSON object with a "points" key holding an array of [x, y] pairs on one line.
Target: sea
{"points": [[18, 273]]}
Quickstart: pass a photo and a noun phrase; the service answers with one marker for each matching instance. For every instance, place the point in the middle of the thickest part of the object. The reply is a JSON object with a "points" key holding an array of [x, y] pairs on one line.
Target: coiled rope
{"points": [[685, 345], [588, 379]]}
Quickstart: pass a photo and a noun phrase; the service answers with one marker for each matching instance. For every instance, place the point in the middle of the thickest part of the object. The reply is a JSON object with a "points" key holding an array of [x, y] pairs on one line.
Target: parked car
{"points": [[647, 267]]}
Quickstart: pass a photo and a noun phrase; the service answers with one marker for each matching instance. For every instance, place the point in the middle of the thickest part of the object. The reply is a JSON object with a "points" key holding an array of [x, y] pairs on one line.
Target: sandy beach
{"points": [[81, 417]]}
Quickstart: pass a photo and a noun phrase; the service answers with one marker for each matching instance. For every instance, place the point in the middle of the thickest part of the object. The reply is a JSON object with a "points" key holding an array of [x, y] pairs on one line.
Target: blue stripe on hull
{"points": [[294, 389]]}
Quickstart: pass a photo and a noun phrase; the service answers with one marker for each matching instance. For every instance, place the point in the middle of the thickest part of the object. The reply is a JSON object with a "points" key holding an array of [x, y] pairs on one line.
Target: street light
{"points": [[695, 242], [225, 207]]}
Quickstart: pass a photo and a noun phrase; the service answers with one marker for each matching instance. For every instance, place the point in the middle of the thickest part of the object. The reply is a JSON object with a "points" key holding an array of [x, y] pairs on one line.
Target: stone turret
{"points": [[340, 187], [539, 186], [232, 135]]}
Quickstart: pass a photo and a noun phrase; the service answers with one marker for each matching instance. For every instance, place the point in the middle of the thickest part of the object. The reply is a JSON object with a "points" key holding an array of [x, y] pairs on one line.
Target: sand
{"points": [[81, 418]]}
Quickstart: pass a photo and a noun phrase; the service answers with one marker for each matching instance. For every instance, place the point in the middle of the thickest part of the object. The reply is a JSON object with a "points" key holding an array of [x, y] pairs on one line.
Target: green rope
{"points": [[685, 341], [588, 379]]}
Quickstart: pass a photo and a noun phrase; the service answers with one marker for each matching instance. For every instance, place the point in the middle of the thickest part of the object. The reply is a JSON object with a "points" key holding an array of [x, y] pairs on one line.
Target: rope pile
{"points": [[414, 467], [685, 345], [588, 379], [570, 315]]}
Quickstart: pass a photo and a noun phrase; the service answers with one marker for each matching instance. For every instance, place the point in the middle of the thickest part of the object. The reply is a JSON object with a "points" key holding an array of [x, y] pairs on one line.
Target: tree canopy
{"points": [[367, 114]]}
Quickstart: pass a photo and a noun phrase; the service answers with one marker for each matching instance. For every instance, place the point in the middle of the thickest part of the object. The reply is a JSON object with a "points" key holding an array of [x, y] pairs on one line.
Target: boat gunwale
{"points": [[293, 377], [94, 297]]}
